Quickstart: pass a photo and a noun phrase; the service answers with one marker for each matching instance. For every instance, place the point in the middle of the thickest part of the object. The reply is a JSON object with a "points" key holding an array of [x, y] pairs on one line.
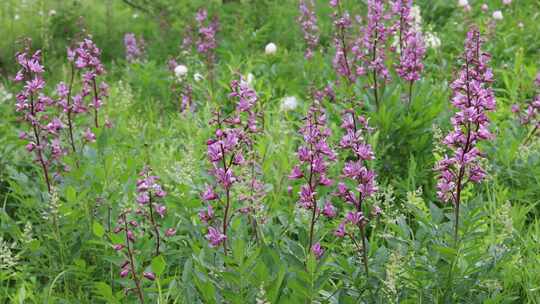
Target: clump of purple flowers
{"points": [[344, 60], [358, 182], [83, 59], [86, 58], [308, 22], [134, 47], [206, 37], [412, 54], [134, 224], [376, 35], [149, 192], [411, 45], [314, 156], [43, 136], [473, 98], [530, 115], [402, 10], [226, 150]]}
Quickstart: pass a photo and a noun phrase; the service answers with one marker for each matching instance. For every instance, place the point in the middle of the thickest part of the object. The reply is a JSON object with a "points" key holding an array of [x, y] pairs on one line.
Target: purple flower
{"points": [[340, 232], [473, 98], [118, 247], [170, 232], [317, 250], [207, 215], [149, 275], [215, 237], [308, 22], [329, 210], [134, 47], [124, 272]]}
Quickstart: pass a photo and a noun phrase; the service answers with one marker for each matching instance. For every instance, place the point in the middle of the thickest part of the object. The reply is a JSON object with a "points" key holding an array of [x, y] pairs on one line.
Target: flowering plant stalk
{"points": [[84, 61], [134, 224], [314, 156], [308, 23], [530, 115], [44, 135], [361, 180], [226, 150], [411, 46], [376, 35], [134, 47], [473, 98], [206, 38], [86, 58]]}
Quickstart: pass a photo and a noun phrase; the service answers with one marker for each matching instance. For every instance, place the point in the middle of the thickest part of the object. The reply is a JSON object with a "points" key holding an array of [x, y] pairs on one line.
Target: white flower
{"points": [[484, 7], [521, 25], [417, 18], [135, 16], [247, 80], [52, 12], [432, 40], [497, 15], [198, 77], [289, 103], [463, 3], [16, 17], [507, 2], [270, 48], [180, 70]]}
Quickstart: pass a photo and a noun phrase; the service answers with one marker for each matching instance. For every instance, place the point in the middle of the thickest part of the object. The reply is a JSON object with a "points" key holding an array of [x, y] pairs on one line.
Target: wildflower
{"points": [[463, 3], [497, 15], [215, 237], [317, 250], [226, 152], [314, 156], [473, 98], [198, 77], [180, 71], [89, 135], [329, 210], [43, 139], [432, 40], [410, 66], [206, 42], [507, 2], [52, 13], [170, 232], [134, 47], [289, 103], [149, 275], [270, 48], [358, 182], [308, 22], [484, 7]]}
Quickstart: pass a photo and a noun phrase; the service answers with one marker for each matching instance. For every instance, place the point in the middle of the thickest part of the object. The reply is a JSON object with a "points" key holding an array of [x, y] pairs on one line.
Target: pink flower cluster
{"points": [[134, 225], [314, 156], [411, 43], [473, 98], [356, 170], [308, 22], [530, 115], [43, 136], [134, 47], [226, 150], [86, 59], [206, 39]]}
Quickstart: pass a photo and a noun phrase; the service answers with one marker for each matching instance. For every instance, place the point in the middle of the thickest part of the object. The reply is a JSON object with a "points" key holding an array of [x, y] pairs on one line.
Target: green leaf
{"points": [[71, 194], [158, 265], [98, 230]]}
